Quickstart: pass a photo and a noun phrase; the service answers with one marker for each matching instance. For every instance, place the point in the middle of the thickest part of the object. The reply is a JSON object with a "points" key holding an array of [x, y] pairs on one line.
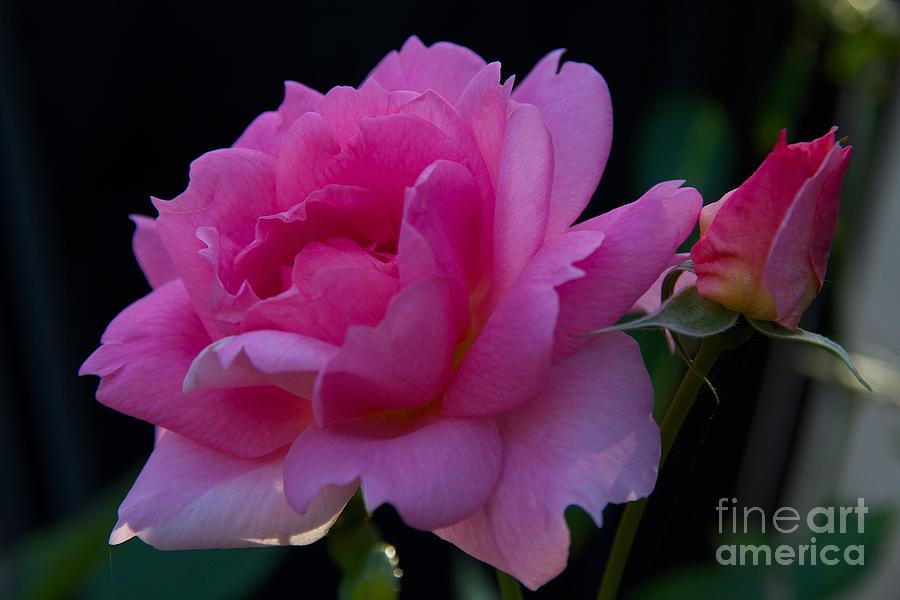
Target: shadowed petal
{"points": [[640, 240], [588, 439], [434, 471], [278, 358], [440, 234], [150, 252], [145, 354], [402, 363], [651, 300], [387, 156], [205, 227], [508, 362]]}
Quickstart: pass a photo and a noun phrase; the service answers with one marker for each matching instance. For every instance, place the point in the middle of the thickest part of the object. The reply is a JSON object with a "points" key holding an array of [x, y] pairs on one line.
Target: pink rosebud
{"points": [[763, 247], [382, 287]]}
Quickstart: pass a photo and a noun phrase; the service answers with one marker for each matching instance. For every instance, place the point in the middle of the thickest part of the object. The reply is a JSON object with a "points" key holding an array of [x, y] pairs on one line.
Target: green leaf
{"points": [[687, 313], [370, 567], [777, 332]]}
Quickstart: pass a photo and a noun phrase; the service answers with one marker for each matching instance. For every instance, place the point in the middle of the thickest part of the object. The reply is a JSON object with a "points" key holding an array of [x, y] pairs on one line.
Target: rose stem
{"points": [[706, 356], [509, 587]]}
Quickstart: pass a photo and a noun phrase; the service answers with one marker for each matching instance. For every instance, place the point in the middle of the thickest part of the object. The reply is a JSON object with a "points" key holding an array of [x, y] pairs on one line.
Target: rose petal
{"points": [[268, 129], [402, 363], [730, 257], [278, 358], [576, 107], [588, 439], [145, 354], [434, 109], [343, 107], [441, 225], [787, 275], [508, 362], [640, 239], [335, 300], [150, 252], [827, 213], [443, 67], [205, 226], [385, 158], [434, 471], [335, 211], [484, 106], [523, 195], [189, 496]]}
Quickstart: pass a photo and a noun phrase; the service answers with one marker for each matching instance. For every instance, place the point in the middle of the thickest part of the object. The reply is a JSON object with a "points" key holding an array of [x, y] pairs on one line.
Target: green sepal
{"points": [[777, 332], [687, 313], [671, 278]]}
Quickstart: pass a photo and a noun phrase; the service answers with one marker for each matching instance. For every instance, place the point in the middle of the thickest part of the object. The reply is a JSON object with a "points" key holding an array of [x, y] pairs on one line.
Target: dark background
{"points": [[106, 103]]}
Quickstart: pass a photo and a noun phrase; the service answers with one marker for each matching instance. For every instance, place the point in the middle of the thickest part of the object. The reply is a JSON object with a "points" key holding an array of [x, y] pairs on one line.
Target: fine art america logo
{"points": [[820, 520]]}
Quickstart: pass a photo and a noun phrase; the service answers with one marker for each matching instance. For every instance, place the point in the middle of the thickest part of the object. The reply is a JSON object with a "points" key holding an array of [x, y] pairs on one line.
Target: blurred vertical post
{"points": [[36, 382]]}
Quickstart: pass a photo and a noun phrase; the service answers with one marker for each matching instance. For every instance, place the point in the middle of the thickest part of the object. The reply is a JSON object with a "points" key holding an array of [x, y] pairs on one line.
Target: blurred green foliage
{"points": [[73, 560], [370, 567], [135, 570], [783, 582], [52, 563], [686, 136], [509, 586], [472, 579]]}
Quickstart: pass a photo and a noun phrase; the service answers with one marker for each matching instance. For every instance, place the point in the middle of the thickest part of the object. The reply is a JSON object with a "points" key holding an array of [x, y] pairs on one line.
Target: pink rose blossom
{"points": [[764, 246], [382, 287]]}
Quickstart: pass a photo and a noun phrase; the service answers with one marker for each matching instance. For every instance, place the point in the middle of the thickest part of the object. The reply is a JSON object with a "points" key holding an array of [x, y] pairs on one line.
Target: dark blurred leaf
{"points": [[787, 93], [137, 571], [704, 583], [686, 136], [811, 582], [472, 579], [54, 562], [370, 567], [581, 529], [867, 49]]}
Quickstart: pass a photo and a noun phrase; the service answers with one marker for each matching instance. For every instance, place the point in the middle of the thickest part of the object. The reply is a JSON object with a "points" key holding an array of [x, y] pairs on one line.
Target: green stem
{"points": [[509, 587], [706, 356]]}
